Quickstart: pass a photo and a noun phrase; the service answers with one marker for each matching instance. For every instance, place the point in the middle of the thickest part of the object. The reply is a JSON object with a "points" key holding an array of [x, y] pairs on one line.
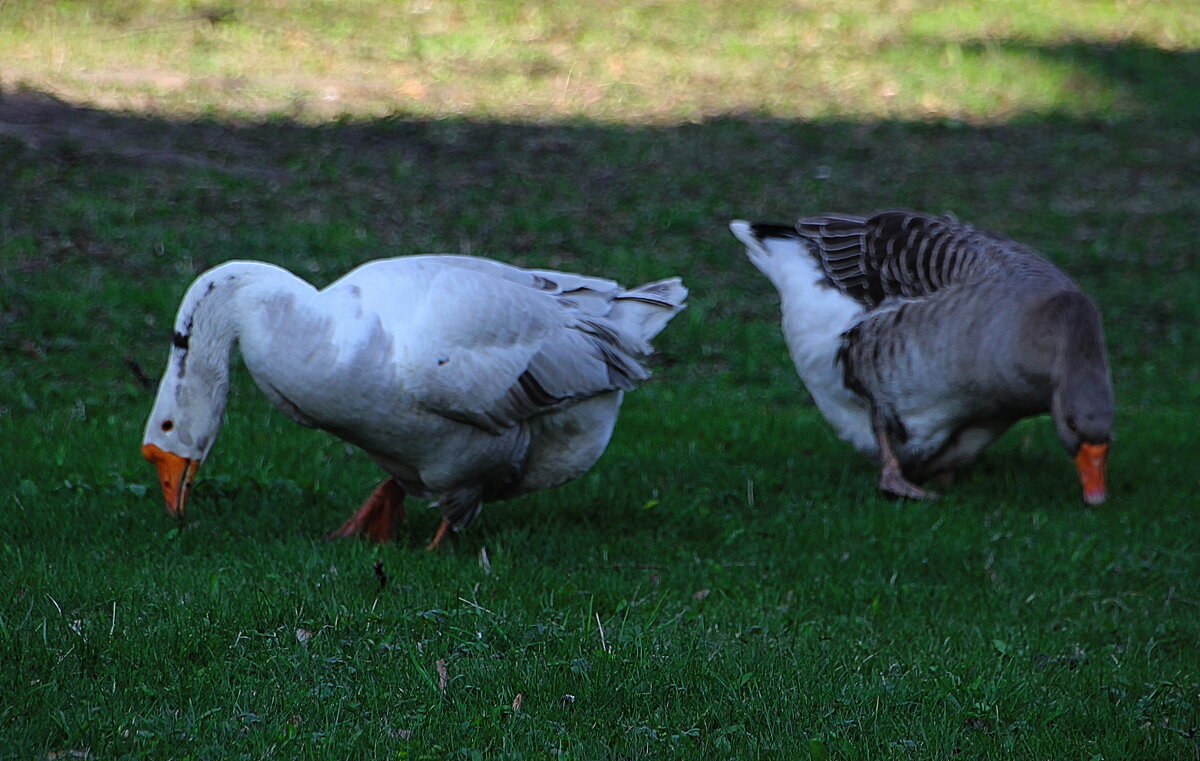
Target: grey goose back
{"points": [[922, 339], [465, 379]]}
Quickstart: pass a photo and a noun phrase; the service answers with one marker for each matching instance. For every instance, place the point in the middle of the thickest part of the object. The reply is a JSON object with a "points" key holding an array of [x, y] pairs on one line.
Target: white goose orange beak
{"points": [[1091, 461], [175, 473]]}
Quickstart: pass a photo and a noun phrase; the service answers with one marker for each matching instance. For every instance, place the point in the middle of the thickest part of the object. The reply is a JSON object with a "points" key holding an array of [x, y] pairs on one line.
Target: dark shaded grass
{"points": [[725, 582]]}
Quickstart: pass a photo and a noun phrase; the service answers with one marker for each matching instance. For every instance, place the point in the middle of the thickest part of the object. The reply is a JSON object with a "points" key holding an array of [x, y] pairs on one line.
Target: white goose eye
{"points": [[168, 425]]}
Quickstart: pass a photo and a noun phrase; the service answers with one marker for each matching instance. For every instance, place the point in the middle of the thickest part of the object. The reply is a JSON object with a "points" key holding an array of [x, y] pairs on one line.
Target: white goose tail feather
{"points": [[644, 311]]}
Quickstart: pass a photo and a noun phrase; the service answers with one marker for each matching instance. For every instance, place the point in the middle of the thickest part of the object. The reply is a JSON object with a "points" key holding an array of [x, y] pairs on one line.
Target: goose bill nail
{"points": [[175, 473], [1090, 461]]}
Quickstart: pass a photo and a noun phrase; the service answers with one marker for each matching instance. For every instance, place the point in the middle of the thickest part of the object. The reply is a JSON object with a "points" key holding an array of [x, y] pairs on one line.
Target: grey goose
{"points": [[465, 379], [922, 340]]}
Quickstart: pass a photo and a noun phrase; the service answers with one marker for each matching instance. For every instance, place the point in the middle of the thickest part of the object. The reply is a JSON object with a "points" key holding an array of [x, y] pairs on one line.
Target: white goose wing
{"points": [[491, 345]]}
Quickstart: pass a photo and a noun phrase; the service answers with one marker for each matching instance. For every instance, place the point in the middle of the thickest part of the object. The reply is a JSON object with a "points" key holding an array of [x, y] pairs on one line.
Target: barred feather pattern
{"points": [[903, 254]]}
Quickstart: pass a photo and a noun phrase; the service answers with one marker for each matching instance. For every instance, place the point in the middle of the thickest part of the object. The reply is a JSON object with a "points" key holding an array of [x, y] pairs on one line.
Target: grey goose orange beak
{"points": [[175, 473], [1091, 460]]}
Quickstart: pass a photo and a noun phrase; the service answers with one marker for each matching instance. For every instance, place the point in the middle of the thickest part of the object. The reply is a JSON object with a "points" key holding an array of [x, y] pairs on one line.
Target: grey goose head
{"points": [[1081, 402]]}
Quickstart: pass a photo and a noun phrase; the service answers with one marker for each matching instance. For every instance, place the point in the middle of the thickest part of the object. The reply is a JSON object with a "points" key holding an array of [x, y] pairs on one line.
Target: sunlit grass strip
{"points": [[615, 62]]}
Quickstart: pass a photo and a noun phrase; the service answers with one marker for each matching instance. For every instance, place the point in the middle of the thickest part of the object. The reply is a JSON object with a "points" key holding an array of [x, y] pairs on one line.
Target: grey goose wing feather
{"points": [[907, 254]]}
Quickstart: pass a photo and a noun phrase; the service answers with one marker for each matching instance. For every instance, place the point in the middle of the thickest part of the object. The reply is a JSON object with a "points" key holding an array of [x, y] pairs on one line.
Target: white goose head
{"points": [[188, 410]]}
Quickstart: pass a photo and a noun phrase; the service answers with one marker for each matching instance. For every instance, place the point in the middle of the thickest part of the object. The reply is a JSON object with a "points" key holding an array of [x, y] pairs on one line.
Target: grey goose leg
{"points": [[891, 477]]}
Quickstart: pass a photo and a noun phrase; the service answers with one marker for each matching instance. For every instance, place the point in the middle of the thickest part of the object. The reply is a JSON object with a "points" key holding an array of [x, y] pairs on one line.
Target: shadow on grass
{"points": [[437, 181], [107, 215]]}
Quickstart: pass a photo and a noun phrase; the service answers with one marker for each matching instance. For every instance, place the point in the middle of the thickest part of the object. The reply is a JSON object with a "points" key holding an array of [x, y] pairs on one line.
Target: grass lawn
{"points": [[726, 582]]}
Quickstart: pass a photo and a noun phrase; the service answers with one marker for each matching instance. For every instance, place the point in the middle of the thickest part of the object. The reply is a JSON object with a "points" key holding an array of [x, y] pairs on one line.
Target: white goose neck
{"points": [[208, 320]]}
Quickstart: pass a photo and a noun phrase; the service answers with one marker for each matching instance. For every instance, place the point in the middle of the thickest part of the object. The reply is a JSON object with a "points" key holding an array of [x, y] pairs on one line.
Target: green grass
{"points": [[726, 582]]}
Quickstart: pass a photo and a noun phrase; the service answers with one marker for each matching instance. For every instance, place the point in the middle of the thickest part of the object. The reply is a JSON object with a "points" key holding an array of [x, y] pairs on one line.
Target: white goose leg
{"points": [[378, 516]]}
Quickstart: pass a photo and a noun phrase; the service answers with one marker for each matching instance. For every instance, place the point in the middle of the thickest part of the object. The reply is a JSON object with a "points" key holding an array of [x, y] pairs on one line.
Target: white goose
{"points": [[922, 340], [467, 380]]}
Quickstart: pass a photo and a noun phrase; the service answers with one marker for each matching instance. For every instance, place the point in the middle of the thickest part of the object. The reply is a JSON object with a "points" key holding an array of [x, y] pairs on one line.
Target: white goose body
{"points": [[467, 380], [922, 340]]}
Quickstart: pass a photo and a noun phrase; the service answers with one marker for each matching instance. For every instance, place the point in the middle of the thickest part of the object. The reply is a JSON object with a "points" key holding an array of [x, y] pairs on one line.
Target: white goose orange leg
{"points": [[378, 516]]}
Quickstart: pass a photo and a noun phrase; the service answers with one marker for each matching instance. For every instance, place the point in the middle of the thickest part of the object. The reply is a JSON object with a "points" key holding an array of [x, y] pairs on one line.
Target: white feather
{"points": [[815, 315]]}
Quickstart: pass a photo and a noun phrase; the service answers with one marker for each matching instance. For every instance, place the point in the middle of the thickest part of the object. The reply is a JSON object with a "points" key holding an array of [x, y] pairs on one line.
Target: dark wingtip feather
{"points": [[764, 230]]}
